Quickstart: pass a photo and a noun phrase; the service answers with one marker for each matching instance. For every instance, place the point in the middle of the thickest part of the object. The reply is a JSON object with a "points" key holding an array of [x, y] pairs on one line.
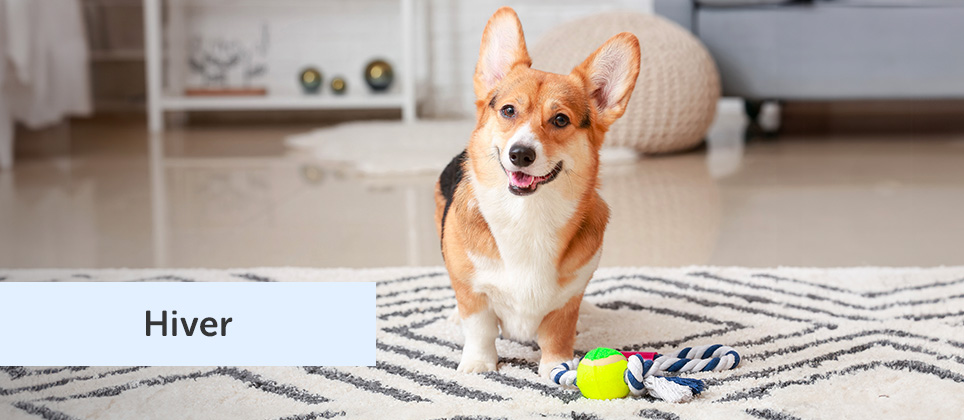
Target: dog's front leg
{"points": [[557, 335], [480, 329]]}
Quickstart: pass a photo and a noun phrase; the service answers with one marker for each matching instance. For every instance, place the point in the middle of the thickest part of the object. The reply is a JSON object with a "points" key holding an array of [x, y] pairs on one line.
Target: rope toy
{"points": [[605, 373]]}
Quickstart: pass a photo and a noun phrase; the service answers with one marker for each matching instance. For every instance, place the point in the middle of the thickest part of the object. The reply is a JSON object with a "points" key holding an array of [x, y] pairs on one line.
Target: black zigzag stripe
{"points": [[257, 382], [522, 363], [472, 418], [699, 301], [253, 277], [407, 312], [164, 278], [817, 361], [655, 345], [314, 415], [50, 371], [495, 376], [406, 331], [418, 300], [65, 381], [767, 414], [731, 326], [887, 333], [426, 322], [549, 391], [17, 372], [619, 304], [410, 278], [364, 384], [44, 412], [933, 316], [652, 413], [957, 344], [418, 355], [812, 296], [784, 304], [444, 386], [864, 294], [902, 365], [408, 291], [251, 379], [770, 339]]}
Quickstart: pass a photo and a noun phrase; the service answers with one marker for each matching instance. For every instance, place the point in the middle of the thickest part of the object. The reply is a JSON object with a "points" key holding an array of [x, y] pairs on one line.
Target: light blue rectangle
{"points": [[105, 324]]}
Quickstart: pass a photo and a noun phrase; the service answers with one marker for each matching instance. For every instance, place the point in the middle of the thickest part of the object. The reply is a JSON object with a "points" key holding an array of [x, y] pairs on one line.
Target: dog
{"points": [[518, 214]]}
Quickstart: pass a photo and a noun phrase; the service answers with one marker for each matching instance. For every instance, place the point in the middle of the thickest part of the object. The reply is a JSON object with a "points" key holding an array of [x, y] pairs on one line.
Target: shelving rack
{"points": [[161, 99]]}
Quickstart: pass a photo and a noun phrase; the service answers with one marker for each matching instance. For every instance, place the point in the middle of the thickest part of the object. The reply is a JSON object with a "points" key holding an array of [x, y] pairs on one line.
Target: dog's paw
{"points": [[478, 366]]}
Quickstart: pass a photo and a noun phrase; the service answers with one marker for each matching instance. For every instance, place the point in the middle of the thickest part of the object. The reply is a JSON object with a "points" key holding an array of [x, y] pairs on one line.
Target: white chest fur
{"points": [[523, 286]]}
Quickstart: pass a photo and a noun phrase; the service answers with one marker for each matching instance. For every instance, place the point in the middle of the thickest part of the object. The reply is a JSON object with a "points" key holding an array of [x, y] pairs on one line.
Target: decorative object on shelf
{"points": [[311, 80], [228, 67], [338, 86], [379, 75]]}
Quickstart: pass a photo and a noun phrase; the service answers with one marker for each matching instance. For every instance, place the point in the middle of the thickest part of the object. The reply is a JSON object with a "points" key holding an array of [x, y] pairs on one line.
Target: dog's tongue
{"points": [[521, 179]]}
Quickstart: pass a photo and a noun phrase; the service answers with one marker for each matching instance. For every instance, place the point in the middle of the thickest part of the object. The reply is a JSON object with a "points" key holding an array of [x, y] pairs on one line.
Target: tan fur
{"points": [[592, 96], [557, 332], [466, 231]]}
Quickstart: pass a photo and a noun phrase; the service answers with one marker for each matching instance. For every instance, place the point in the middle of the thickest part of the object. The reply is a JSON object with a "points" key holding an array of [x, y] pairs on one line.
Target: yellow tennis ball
{"points": [[600, 374]]}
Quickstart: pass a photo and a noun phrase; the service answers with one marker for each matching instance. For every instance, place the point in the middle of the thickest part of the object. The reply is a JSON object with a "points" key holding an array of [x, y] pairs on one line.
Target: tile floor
{"points": [[103, 193]]}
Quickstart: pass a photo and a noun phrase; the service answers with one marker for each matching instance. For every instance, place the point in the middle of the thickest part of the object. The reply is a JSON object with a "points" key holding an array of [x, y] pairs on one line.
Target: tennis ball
{"points": [[600, 374]]}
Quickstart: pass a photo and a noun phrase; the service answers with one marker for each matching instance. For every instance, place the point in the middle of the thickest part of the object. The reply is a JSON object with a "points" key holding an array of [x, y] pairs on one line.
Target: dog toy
{"points": [[605, 373]]}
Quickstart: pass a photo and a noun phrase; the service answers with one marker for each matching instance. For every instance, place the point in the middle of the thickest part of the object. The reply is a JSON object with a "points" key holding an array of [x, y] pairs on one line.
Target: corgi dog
{"points": [[518, 214]]}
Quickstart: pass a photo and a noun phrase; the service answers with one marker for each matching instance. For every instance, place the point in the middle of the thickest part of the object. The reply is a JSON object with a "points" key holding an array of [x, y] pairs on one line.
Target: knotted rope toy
{"points": [[606, 373]]}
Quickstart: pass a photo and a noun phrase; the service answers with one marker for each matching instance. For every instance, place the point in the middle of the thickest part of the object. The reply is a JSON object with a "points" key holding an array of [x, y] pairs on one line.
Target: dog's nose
{"points": [[522, 156]]}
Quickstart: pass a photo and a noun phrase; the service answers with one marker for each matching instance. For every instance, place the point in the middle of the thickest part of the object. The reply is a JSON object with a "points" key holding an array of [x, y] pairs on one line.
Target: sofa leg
{"points": [[752, 108], [754, 129]]}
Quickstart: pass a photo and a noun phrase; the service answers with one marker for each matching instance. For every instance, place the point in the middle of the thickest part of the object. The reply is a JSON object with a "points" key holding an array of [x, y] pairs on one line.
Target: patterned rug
{"points": [[843, 343]]}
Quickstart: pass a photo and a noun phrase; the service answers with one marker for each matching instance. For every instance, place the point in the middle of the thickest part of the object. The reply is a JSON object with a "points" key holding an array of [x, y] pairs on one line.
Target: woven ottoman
{"points": [[675, 98]]}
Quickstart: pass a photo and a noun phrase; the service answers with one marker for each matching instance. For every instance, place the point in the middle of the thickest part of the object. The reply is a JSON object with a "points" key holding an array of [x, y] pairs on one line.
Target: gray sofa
{"points": [[829, 49]]}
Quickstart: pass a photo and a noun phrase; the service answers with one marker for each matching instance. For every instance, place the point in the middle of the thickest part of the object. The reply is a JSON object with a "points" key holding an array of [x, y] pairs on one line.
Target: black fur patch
{"points": [[492, 102], [585, 123], [449, 181]]}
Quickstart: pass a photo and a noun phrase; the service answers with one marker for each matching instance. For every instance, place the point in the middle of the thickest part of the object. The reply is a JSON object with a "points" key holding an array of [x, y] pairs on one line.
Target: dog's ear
{"points": [[503, 47], [610, 74]]}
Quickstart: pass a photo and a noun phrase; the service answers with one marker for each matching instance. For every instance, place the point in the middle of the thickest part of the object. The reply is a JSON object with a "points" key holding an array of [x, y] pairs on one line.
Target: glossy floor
{"points": [[104, 193]]}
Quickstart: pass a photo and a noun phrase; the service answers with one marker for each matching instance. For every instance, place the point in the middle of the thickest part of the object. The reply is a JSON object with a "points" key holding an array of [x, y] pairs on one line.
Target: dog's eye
{"points": [[560, 120], [508, 111]]}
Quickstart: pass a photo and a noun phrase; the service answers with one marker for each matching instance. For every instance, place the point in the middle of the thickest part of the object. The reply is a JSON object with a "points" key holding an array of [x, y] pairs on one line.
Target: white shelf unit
{"points": [[203, 103], [161, 100]]}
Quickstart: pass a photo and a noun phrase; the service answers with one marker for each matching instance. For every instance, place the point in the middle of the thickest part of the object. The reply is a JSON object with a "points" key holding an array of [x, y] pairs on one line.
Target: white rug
{"points": [[384, 148], [816, 344]]}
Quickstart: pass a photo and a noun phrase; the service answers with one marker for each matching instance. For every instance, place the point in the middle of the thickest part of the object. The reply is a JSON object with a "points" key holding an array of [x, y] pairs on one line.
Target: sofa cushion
{"points": [[739, 3], [890, 3]]}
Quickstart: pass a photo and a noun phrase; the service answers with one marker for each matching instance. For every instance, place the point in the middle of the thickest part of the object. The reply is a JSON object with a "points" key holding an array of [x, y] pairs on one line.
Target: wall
{"points": [[456, 29], [340, 36]]}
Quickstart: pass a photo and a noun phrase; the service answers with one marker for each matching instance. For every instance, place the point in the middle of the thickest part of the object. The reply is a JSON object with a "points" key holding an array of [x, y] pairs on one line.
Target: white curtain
{"points": [[44, 71]]}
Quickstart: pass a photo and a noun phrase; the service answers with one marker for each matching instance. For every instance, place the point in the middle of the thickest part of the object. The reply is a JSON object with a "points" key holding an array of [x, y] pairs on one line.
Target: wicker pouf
{"points": [[675, 98]]}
